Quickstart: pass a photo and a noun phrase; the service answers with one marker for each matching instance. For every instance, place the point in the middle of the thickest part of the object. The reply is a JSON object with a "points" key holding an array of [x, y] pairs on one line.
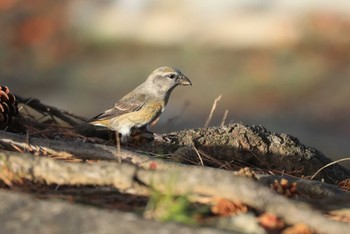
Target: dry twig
{"points": [[212, 111]]}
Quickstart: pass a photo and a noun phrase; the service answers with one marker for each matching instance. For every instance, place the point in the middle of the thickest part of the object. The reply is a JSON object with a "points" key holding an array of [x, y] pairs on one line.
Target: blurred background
{"points": [[281, 64]]}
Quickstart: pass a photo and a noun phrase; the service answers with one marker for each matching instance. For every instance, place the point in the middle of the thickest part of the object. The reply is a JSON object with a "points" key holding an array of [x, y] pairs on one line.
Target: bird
{"points": [[144, 104]]}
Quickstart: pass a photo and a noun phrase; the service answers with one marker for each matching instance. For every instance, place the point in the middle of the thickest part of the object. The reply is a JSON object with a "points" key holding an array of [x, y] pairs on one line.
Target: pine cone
{"points": [[8, 107]]}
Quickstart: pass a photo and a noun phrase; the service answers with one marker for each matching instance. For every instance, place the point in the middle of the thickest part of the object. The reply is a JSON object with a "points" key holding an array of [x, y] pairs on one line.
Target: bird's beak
{"points": [[183, 80]]}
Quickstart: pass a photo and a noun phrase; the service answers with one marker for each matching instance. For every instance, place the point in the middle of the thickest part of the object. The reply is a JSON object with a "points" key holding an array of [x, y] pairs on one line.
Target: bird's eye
{"points": [[171, 76]]}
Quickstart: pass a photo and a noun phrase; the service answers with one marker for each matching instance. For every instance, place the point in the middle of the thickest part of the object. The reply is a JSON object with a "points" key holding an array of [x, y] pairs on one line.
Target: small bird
{"points": [[143, 105]]}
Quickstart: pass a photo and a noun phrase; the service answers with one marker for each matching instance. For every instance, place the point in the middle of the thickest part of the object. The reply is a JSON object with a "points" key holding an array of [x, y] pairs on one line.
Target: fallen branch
{"points": [[63, 217], [197, 181], [80, 150], [237, 145], [87, 151], [43, 108], [316, 190]]}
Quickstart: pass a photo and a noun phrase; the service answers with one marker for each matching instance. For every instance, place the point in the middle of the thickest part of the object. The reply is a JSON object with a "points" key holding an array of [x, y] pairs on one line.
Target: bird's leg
{"points": [[117, 140]]}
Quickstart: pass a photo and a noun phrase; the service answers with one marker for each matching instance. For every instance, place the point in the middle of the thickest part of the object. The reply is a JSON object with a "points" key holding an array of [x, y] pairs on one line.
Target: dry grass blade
{"points": [[327, 165], [224, 118], [199, 156], [212, 111], [209, 160]]}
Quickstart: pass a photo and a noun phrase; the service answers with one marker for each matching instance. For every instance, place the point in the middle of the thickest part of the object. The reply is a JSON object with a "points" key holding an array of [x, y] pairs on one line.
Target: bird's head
{"points": [[167, 78]]}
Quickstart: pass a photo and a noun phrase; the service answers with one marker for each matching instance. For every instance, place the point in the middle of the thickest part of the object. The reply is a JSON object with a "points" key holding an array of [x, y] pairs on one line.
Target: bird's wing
{"points": [[127, 104]]}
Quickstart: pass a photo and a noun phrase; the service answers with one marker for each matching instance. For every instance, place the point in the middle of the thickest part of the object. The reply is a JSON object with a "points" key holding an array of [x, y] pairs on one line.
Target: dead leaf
{"points": [[270, 221], [298, 229], [226, 207], [344, 184]]}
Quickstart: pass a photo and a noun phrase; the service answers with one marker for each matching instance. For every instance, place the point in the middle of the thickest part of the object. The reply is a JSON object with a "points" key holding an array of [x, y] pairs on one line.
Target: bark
{"points": [[88, 151], [197, 181], [240, 144], [20, 213], [80, 150], [309, 188]]}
